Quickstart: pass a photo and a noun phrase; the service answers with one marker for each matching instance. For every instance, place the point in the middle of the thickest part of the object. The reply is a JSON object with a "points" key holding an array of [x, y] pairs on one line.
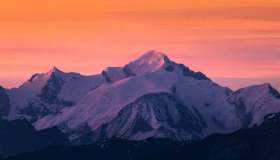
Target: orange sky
{"points": [[222, 38]]}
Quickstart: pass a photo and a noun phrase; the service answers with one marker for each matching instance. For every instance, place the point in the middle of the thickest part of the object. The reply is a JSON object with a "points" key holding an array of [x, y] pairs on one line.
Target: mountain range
{"points": [[150, 97]]}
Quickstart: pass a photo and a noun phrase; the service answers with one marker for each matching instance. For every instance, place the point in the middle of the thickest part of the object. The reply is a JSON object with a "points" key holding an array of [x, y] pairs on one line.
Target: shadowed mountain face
{"points": [[260, 143], [20, 136], [157, 115], [4, 103]]}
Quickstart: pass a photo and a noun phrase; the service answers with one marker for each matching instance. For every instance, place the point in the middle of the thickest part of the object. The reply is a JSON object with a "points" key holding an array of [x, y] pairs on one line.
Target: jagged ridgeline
{"points": [[150, 97]]}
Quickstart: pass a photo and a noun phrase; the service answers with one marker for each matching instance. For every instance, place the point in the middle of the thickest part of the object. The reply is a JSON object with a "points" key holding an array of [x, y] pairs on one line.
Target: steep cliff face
{"points": [[154, 115]]}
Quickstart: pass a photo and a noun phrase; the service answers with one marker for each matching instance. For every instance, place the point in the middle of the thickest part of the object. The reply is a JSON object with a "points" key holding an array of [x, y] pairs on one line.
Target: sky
{"points": [[234, 42]]}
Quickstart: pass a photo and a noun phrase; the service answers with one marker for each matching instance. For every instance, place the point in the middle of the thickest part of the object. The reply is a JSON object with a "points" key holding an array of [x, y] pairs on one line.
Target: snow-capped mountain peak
{"points": [[262, 90], [257, 101], [149, 62], [152, 57], [55, 70], [153, 61], [49, 92], [42, 78]]}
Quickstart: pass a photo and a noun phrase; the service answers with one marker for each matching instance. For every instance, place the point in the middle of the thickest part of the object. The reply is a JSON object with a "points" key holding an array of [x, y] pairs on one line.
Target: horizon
{"points": [[233, 42], [231, 82]]}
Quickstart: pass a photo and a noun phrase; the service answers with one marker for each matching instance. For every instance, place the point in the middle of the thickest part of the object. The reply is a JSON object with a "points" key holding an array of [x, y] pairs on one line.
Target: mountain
{"points": [[20, 136], [151, 61], [150, 97], [4, 103], [255, 102], [258, 143], [48, 93], [151, 73], [158, 115]]}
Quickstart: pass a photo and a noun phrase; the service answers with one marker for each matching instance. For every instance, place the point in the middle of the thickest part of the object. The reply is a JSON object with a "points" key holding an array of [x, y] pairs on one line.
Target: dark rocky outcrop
{"points": [[4, 103], [19, 136]]}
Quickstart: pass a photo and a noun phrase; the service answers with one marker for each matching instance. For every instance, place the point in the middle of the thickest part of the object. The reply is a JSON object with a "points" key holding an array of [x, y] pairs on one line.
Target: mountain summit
{"points": [[149, 62], [155, 61]]}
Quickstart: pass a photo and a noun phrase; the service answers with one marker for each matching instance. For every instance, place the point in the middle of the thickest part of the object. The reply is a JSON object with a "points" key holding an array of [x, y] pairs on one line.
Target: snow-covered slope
{"points": [[149, 97], [255, 102], [203, 98], [48, 93]]}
